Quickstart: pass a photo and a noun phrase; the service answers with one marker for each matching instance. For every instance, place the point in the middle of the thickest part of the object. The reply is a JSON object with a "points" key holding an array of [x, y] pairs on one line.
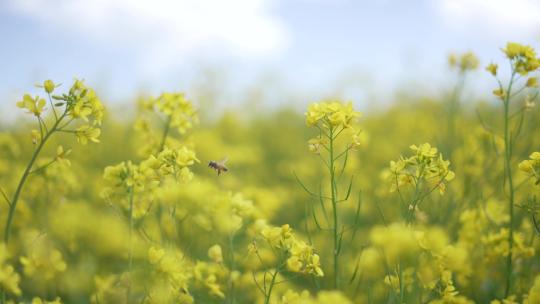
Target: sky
{"points": [[362, 50]]}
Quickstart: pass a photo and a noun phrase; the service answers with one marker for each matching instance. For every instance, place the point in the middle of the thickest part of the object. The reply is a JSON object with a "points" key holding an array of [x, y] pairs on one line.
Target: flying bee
{"points": [[219, 166]]}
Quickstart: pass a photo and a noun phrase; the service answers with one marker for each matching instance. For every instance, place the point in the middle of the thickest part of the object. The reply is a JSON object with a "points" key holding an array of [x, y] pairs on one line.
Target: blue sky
{"points": [[306, 48]]}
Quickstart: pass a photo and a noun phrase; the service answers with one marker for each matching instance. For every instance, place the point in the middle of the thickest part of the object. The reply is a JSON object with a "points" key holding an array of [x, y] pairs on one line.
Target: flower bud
{"points": [[49, 86]]}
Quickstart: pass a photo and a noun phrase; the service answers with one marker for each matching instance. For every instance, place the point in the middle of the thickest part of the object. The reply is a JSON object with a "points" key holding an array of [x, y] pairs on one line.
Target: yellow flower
{"points": [[82, 102], [315, 144], [314, 114], [492, 68], [186, 175], [534, 293], [87, 133], [35, 135], [532, 82], [49, 86], [531, 166], [499, 93], [61, 155], [33, 105], [302, 259], [424, 151], [9, 279], [81, 109], [186, 157], [427, 165], [155, 254], [452, 60], [331, 114], [40, 301], [44, 262], [215, 254], [514, 50], [464, 62], [276, 236], [523, 57], [179, 109]]}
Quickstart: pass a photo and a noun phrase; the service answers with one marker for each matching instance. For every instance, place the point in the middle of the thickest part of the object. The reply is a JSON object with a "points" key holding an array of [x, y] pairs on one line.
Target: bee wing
{"points": [[223, 161]]}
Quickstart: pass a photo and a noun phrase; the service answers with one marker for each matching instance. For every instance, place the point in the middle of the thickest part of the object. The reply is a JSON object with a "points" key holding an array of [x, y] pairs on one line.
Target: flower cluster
{"points": [[331, 115], [128, 178], [169, 111], [333, 118], [497, 242], [425, 171], [523, 57], [408, 259], [46, 265], [9, 279], [80, 104], [531, 167], [41, 261], [523, 61], [179, 110], [463, 62], [209, 276], [172, 273], [300, 257]]}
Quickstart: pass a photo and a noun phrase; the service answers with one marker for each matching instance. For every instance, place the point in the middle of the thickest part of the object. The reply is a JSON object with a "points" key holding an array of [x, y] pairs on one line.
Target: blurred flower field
{"points": [[431, 200]]}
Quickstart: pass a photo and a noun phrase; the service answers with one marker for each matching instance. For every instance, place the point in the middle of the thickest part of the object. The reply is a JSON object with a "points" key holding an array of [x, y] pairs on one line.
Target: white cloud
{"points": [[492, 17], [163, 31]]}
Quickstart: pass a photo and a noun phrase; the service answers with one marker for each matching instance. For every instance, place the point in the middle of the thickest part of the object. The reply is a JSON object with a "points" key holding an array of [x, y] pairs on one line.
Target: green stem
{"points": [[52, 106], [453, 109], [416, 198], [165, 133], [233, 268], [401, 284], [272, 283], [130, 240], [508, 173], [335, 211], [26, 173]]}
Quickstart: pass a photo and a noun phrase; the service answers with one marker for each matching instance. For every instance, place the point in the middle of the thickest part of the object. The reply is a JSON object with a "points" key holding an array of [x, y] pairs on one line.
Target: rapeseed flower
{"points": [[34, 105]]}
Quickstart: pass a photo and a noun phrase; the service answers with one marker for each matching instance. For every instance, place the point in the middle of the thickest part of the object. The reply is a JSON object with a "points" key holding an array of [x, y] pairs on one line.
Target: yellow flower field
{"points": [[427, 201]]}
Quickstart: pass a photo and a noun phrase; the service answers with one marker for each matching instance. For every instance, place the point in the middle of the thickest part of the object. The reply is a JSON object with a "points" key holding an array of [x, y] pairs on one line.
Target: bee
{"points": [[219, 166]]}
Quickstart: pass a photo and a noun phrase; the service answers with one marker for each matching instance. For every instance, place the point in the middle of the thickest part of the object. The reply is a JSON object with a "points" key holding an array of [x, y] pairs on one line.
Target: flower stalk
{"points": [[509, 180], [334, 209], [22, 181]]}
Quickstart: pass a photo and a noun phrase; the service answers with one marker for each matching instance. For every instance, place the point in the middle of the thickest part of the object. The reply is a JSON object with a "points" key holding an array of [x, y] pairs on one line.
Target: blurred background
{"points": [[267, 52]]}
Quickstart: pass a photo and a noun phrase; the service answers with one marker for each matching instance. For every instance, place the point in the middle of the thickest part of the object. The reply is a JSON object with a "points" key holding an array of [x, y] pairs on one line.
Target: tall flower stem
{"points": [[130, 240], [233, 268], [334, 209], [22, 181], [508, 178], [272, 283], [453, 110]]}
